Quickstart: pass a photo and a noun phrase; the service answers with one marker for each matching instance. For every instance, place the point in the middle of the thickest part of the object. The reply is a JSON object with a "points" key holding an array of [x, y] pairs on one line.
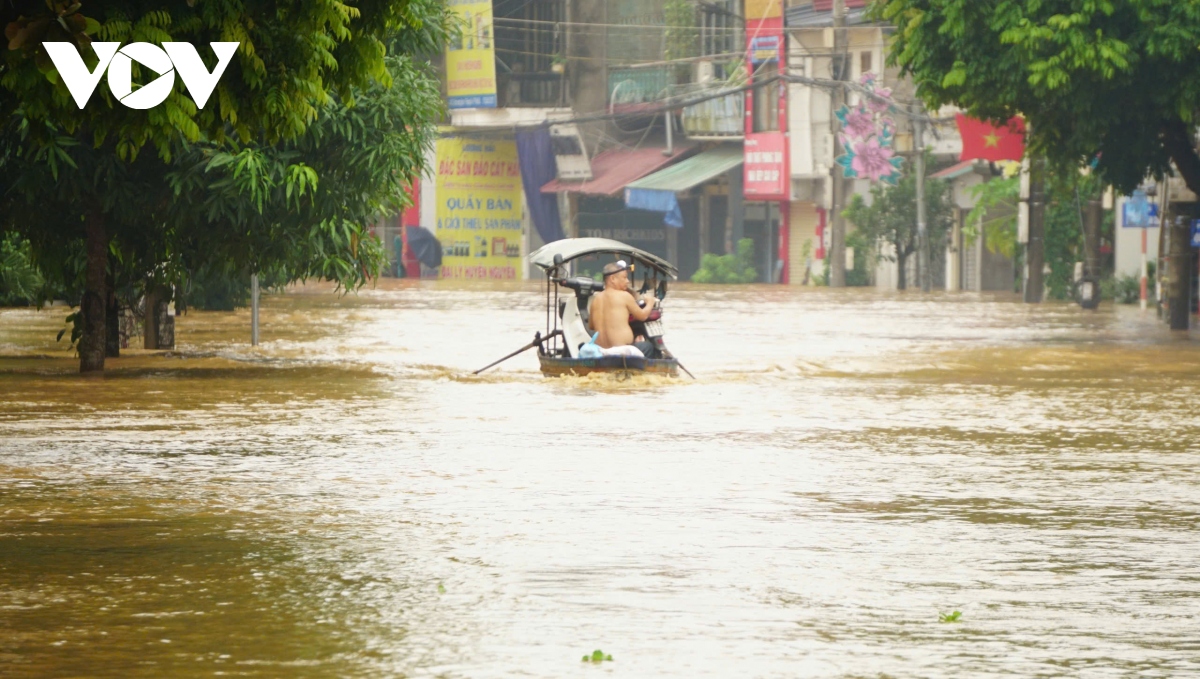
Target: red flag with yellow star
{"points": [[981, 140]]}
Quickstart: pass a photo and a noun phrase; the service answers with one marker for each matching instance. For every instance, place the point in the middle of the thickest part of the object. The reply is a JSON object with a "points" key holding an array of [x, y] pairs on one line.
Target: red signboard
{"points": [[765, 171]]}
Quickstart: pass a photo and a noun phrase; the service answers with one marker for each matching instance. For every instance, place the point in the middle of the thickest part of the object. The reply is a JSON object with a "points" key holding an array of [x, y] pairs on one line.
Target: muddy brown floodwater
{"points": [[346, 501]]}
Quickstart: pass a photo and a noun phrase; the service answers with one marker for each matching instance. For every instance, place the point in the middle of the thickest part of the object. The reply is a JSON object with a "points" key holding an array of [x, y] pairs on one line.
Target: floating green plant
{"points": [[597, 656], [441, 588], [949, 617]]}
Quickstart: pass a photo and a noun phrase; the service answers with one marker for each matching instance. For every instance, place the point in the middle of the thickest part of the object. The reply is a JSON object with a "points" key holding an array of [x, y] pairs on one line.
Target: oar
{"points": [[689, 372], [537, 340]]}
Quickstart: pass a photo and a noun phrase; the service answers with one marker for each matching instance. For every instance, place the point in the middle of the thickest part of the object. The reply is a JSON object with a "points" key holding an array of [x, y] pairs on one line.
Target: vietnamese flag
{"points": [[981, 140]]}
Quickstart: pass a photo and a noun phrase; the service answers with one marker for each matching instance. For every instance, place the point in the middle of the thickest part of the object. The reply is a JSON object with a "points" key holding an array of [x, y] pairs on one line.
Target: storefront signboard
{"points": [[478, 207], [765, 170]]}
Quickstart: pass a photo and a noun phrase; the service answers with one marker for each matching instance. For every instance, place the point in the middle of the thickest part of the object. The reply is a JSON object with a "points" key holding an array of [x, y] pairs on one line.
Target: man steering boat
{"points": [[612, 308]]}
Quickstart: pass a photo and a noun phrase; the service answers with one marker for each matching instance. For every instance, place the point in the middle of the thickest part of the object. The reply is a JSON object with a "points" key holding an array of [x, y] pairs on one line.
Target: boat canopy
{"points": [[571, 248]]}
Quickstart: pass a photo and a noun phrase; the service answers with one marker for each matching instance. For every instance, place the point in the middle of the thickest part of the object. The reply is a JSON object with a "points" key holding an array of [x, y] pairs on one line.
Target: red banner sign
{"points": [[765, 175]]}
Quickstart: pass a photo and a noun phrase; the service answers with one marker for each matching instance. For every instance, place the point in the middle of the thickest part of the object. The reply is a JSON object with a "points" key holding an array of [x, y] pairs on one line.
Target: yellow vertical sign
{"points": [[478, 207], [470, 57]]}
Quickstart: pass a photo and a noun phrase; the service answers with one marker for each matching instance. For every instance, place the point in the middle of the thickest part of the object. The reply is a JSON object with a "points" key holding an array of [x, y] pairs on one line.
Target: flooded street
{"points": [[346, 500]]}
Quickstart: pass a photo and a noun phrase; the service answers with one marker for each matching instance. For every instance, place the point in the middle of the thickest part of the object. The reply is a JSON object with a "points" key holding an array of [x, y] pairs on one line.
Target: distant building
{"points": [[624, 119]]}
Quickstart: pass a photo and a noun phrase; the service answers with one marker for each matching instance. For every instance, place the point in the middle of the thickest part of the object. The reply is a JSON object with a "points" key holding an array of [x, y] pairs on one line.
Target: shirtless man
{"points": [[612, 308]]}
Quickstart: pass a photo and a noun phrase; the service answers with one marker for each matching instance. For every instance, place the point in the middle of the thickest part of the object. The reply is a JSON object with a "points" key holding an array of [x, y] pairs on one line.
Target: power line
{"points": [[657, 27], [671, 103]]}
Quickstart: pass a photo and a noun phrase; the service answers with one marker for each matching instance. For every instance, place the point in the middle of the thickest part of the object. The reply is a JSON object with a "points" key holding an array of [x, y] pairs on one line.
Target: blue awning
{"points": [[656, 201]]}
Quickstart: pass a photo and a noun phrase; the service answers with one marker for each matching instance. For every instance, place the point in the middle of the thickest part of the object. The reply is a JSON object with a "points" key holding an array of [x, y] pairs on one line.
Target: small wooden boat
{"points": [[556, 366], [567, 264]]}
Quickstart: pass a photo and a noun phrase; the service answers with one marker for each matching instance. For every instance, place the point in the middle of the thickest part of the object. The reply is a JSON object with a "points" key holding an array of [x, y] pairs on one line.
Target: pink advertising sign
{"points": [[765, 170]]}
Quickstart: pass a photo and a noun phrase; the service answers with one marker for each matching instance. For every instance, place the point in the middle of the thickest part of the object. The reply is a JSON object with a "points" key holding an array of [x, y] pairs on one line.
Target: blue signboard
{"points": [[1196, 233], [1136, 214]]}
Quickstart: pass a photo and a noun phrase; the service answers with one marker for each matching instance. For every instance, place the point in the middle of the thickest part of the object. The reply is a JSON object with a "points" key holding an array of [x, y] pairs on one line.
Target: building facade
{"points": [[681, 128]]}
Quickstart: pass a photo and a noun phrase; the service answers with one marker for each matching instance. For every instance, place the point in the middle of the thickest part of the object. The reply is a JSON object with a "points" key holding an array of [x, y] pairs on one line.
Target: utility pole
{"points": [[1035, 260], [922, 232], [837, 234]]}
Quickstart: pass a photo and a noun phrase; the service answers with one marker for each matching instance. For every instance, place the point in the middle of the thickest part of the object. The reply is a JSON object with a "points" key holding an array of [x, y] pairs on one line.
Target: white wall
{"points": [[428, 209], [1128, 246]]}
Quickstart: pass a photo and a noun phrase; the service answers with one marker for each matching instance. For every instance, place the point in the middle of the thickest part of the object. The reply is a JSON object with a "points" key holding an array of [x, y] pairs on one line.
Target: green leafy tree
{"points": [[736, 268], [995, 215], [891, 217], [682, 37], [1113, 79], [79, 176], [20, 281], [996, 212]]}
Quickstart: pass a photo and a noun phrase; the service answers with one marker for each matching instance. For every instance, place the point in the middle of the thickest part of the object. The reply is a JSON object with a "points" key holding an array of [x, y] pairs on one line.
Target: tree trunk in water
{"points": [[1179, 273], [1178, 141], [1090, 290], [901, 269], [1035, 249], [150, 321], [112, 329], [95, 295]]}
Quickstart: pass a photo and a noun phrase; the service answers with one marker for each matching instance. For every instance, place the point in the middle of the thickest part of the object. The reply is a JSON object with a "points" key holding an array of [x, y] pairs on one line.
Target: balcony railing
{"points": [[529, 89], [630, 89], [719, 118]]}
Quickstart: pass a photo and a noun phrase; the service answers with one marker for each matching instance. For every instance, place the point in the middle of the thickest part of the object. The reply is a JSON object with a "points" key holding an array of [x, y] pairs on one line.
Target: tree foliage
{"points": [[279, 173], [301, 208], [681, 37], [1114, 78], [994, 215], [292, 56], [1066, 194], [891, 217], [20, 281], [735, 268], [294, 209]]}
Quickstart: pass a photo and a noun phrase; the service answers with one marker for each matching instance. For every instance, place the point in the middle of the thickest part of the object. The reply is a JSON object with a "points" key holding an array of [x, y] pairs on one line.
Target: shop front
{"points": [[690, 201]]}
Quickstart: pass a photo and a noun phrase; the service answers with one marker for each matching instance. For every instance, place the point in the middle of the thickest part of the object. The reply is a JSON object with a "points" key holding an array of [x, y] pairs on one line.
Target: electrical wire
{"points": [[648, 27], [672, 103]]}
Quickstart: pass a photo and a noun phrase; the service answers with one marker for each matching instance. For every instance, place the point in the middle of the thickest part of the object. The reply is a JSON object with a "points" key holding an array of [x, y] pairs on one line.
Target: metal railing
{"points": [[719, 118]]}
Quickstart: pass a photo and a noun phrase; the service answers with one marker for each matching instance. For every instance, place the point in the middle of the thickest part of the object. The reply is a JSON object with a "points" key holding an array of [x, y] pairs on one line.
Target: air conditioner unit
{"points": [[703, 71]]}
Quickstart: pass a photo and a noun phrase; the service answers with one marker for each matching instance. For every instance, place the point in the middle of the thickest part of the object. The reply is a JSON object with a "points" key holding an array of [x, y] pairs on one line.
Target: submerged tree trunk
{"points": [[150, 319], [1035, 252], [1090, 291], [112, 329], [1179, 273], [95, 295], [1179, 143]]}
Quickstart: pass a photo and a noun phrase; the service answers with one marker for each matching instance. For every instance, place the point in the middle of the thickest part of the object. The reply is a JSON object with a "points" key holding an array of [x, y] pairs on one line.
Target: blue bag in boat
{"points": [[591, 349]]}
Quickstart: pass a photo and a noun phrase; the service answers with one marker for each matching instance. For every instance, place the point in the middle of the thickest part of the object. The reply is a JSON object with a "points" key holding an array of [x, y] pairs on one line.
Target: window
{"points": [[528, 41], [721, 33], [866, 62]]}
